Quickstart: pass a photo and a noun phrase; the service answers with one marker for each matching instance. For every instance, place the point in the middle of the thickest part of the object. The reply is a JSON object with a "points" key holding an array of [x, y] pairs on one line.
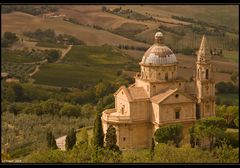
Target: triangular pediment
{"points": [[172, 96], [123, 92]]}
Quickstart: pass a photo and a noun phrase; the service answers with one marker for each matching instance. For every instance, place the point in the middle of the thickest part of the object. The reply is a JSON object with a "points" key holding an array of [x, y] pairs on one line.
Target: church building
{"points": [[160, 97]]}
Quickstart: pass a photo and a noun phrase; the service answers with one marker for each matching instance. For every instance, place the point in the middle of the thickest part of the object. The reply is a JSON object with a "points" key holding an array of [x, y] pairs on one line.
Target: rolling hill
{"points": [[96, 28]]}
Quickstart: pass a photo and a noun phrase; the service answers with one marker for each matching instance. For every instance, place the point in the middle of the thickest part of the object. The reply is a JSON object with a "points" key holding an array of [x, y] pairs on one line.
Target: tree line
{"points": [[49, 35], [128, 13], [212, 128], [29, 9], [8, 39], [227, 87], [71, 104], [216, 27]]}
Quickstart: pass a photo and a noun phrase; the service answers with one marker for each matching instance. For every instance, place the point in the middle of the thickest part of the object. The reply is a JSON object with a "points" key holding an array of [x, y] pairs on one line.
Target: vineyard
{"points": [[18, 70], [22, 56]]}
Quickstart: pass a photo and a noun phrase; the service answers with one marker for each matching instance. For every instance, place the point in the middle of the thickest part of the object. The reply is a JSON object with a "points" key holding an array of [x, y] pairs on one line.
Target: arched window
{"points": [[207, 74], [166, 76], [172, 75]]}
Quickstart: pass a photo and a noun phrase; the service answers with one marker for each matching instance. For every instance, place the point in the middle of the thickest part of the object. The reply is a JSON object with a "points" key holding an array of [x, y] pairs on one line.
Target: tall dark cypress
{"points": [[152, 149], [111, 139], [70, 139], [51, 142], [98, 131]]}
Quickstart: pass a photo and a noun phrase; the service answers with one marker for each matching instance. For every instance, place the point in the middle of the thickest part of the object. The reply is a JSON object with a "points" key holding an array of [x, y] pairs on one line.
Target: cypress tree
{"points": [[111, 139], [152, 149], [98, 131], [48, 139], [192, 137], [70, 139], [51, 142]]}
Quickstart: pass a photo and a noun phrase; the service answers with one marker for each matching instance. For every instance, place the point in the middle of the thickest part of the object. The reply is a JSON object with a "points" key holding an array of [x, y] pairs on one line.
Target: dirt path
{"points": [[64, 53], [31, 63], [44, 61], [37, 67]]}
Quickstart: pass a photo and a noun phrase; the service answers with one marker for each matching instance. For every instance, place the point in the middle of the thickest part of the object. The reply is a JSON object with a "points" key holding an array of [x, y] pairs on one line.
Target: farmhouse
{"points": [[4, 75], [159, 97]]}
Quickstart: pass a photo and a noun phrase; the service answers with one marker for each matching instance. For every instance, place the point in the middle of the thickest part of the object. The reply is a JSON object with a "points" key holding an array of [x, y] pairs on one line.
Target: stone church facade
{"points": [[160, 97]]}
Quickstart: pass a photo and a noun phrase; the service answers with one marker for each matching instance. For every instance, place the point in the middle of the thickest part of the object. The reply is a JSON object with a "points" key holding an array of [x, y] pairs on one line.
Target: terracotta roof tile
{"points": [[160, 97], [137, 93]]}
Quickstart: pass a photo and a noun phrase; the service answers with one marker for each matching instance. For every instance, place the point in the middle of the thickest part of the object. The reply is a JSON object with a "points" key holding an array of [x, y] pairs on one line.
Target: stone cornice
{"points": [[162, 65]]}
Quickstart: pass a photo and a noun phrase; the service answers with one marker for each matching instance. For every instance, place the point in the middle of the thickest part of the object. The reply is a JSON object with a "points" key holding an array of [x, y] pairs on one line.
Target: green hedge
{"points": [[233, 138]]}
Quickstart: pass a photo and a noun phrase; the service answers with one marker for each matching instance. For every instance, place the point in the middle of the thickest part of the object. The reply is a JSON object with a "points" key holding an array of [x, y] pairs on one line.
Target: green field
{"points": [[231, 55], [95, 55], [19, 56], [83, 65], [50, 45]]}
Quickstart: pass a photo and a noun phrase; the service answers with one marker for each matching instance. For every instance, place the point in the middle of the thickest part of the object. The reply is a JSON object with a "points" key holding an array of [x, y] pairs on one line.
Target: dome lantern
{"points": [[158, 38]]}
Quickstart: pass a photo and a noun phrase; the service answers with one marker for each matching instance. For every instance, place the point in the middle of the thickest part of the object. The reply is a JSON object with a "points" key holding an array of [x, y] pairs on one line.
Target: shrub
{"points": [[167, 133], [232, 138], [70, 110], [212, 128], [226, 87]]}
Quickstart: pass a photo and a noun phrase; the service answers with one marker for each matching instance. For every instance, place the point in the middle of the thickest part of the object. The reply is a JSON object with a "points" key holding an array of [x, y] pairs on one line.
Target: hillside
{"points": [[62, 65], [97, 27], [16, 22], [218, 14], [84, 65]]}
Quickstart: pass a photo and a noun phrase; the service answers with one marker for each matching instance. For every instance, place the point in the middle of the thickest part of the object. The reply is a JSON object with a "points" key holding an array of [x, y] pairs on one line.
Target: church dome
{"points": [[158, 53]]}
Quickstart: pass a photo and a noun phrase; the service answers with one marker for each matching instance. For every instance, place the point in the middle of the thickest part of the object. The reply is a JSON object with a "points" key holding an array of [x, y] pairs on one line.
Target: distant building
{"points": [[65, 40], [4, 75], [12, 80], [160, 97], [52, 15]]}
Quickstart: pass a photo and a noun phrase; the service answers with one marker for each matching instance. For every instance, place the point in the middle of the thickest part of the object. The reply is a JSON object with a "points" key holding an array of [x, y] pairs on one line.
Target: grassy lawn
{"points": [[51, 45], [233, 98], [83, 65], [231, 55]]}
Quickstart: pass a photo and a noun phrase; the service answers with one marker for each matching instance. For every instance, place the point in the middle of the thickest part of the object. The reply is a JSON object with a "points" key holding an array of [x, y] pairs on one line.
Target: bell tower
{"points": [[205, 84]]}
